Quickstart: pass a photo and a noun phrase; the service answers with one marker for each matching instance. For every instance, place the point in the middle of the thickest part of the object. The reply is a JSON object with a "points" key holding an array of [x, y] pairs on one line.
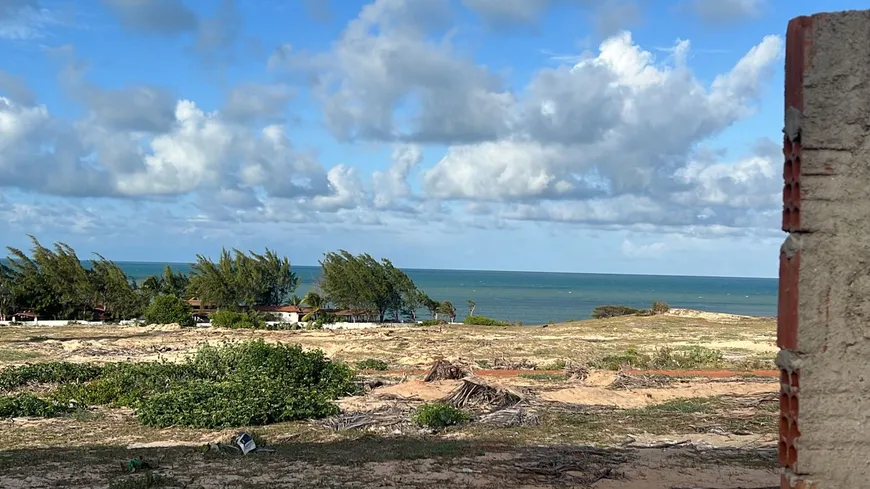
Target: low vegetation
{"points": [[372, 364], [663, 358], [439, 415], [610, 311], [169, 309], [244, 384], [484, 321]]}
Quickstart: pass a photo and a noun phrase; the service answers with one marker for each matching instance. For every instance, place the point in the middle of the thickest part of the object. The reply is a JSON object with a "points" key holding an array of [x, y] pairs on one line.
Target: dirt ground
{"points": [[608, 431]]}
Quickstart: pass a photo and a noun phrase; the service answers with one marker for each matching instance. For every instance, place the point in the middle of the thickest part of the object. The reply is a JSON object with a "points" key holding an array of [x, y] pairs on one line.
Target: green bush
{"points": [[484, 321], [372, 364], [438, 415], [169, 309], [602, 312], [238, 402], [660, 307], [236, 320], [239, 384], [433, 322], [28, 405], [47, 373]]}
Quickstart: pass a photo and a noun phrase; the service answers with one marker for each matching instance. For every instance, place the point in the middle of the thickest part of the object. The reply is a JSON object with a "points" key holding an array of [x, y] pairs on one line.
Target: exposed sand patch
{"points": [[709, 316], [636, 398], [417, 389]]}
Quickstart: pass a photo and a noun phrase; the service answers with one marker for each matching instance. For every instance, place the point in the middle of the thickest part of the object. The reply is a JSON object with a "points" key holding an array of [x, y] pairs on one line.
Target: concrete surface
{"points": [[826, 343]]}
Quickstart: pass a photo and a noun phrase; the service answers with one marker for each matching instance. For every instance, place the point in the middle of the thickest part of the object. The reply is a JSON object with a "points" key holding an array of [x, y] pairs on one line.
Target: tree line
{"points": [[55, 283]]}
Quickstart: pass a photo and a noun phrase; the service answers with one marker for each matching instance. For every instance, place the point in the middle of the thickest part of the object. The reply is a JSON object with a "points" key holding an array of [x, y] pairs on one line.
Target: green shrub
{"points": [[660, 307], [484, 321], [238, 384], [236, 320], [28, 405], [372, 364], [169, 309], [238, 402], [433, 322], [47, 373], [602, 312], [438, 415]]}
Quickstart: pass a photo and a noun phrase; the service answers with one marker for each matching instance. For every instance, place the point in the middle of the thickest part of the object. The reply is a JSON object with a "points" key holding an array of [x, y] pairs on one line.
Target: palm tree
{"points": [[315, 302], [296, 301]]}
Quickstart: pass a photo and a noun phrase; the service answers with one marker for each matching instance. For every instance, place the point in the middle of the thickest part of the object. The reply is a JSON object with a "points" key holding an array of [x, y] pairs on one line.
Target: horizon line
{"points": [[493, 270]]}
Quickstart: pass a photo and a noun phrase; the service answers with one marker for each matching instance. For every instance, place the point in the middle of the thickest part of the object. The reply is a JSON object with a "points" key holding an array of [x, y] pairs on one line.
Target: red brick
{"points": [[786, 324]]}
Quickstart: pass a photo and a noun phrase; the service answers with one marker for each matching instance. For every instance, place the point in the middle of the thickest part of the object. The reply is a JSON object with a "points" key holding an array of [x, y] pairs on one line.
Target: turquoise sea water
{"points": [[538, 297]]}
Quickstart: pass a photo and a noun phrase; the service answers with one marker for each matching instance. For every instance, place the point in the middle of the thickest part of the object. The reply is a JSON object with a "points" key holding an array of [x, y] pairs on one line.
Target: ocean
{"points": [[540, 297]]}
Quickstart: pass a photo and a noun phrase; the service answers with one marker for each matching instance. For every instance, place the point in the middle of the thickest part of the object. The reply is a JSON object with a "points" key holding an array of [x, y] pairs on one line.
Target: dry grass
{"points": [[87, 448], [750, 341]]}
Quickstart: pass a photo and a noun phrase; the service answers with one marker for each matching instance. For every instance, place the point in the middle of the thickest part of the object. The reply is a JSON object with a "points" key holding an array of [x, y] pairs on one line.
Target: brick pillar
{"points": [[823, 326]]}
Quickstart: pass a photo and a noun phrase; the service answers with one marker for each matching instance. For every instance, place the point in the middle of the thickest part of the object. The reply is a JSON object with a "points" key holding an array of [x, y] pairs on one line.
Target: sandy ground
{"points": [[739, 338], [656, 433]]}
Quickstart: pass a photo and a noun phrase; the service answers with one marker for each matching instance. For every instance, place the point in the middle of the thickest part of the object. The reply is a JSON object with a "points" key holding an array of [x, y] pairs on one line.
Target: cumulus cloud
{"points": [[611, 140], [384, 60], [392, 185]]}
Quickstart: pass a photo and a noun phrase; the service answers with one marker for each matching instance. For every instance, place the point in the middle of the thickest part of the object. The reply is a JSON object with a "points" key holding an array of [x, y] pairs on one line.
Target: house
{"points": [[284, 314], [25, 316]]}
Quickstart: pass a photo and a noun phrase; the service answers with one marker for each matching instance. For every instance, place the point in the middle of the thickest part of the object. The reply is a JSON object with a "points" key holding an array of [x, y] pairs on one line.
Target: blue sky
{"points": [[613, 136]]}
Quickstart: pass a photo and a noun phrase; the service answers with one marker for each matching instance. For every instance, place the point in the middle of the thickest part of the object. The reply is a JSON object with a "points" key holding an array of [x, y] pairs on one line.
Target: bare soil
{"points": [[645, 431]]}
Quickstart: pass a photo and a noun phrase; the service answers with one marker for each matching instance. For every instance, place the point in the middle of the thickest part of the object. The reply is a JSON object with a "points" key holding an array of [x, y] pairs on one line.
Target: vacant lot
{"points": [[602, 428]]}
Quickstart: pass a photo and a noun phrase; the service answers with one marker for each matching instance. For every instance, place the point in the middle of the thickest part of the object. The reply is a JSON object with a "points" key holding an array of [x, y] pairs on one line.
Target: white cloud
{"points": [[609, 141], [392, 185]]}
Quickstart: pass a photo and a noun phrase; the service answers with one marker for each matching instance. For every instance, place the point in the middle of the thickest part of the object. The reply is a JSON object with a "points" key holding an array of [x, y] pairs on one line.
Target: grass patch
{"points": [[544, 377], [242, 384], [663, 358], [556, 365], [9, 355]]}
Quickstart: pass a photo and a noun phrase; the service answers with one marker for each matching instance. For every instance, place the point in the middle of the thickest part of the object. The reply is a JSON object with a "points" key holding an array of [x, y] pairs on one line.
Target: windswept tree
{"points": [[55, 284], [362, 283], [471, 307], [448, 309], [238, 280], [430, 304], [51, 281], [169, 283], [115, 291]]}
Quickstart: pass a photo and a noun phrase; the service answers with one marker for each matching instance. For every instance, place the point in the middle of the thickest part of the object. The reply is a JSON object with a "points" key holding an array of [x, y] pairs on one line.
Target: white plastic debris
{"points": [[246, 443]]}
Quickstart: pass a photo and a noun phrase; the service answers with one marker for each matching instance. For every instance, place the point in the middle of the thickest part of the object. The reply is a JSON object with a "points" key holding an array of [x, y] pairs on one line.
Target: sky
{"points": [[602, 136]]}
